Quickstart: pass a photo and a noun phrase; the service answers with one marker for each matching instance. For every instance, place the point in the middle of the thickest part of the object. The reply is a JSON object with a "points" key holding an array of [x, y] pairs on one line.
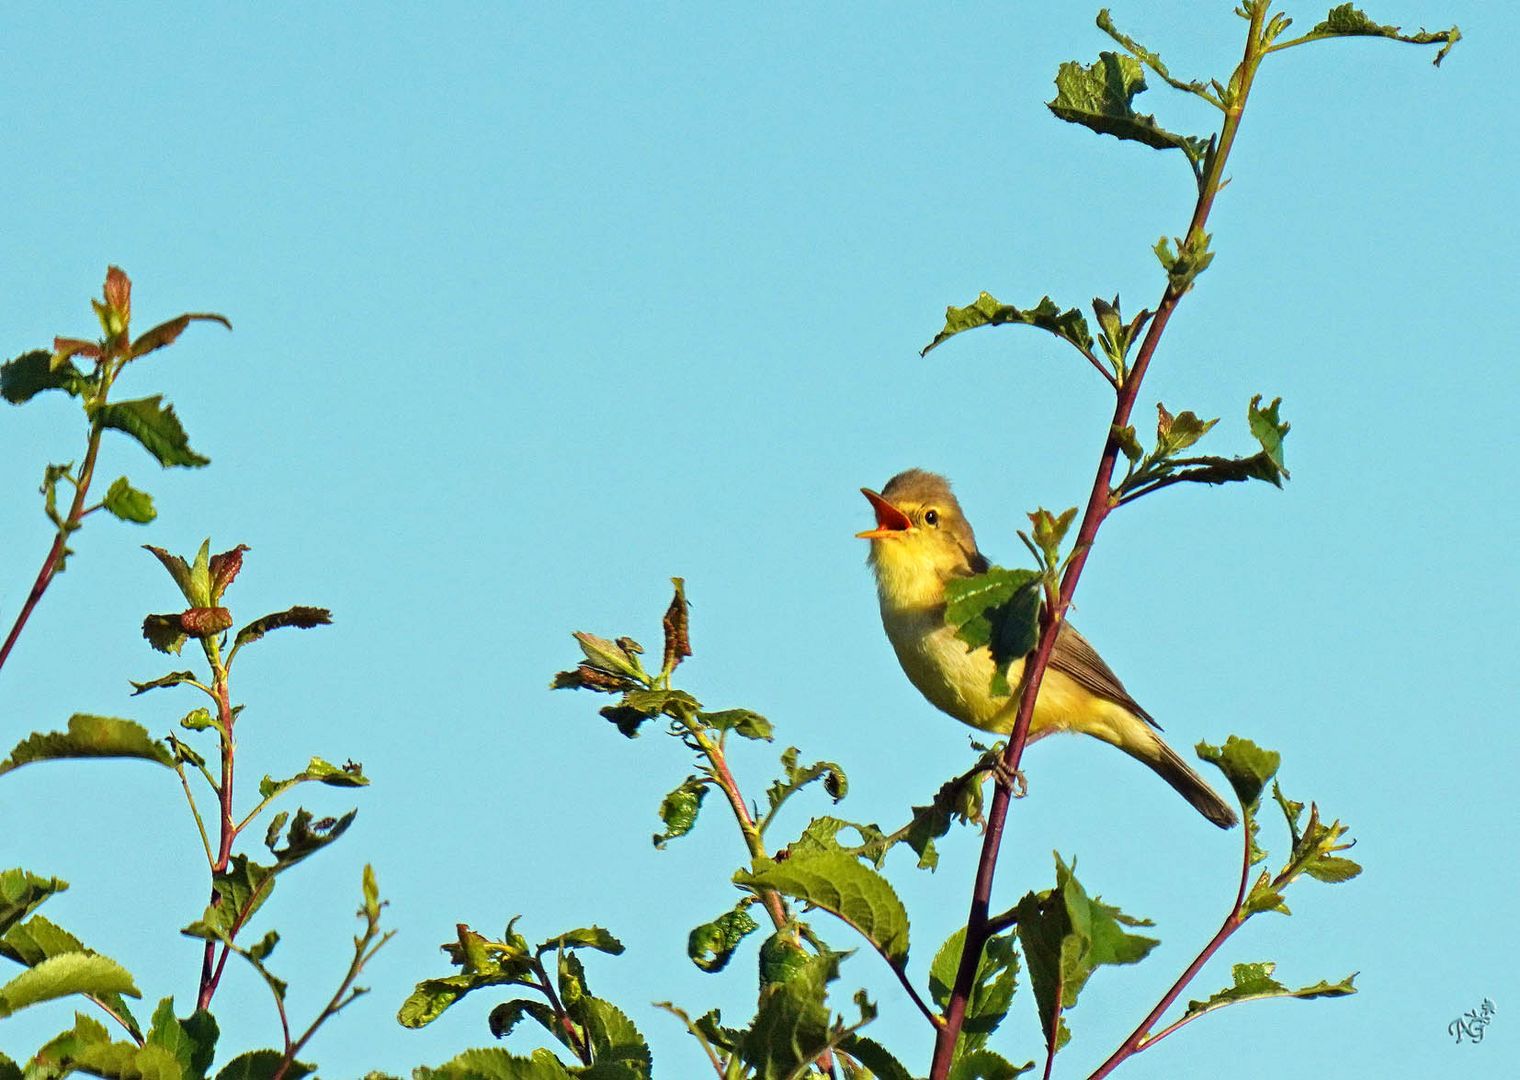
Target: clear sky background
{"points": [[536, 307]]}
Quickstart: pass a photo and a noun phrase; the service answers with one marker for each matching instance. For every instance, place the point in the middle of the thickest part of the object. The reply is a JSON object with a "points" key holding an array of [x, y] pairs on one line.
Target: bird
{"points": [[921, 541]]}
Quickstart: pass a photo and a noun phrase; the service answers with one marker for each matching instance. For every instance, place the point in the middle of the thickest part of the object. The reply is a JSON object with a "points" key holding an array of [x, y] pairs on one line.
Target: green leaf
{"points": [[1245, 765], [1348, 20], [614, 1038], [638, 704], [991, 991], [588, 937], [484, 962], [1099, 97], [999, 610], [65, 974], [840, 885], [9, 1070], [985, 310], [174, 678], [301, 617], [791, 1025], [178, 569], [154, 425], [262, 1065], [495, 1064], [795, 777], [307, 835], [1067, 936], [509, 1014], [1191, 259], [1153, 60], [712, 944], [21, 893], [1268, 430], [875, 1057], [318, 771], [192, 1041], [1129, 443], [679, 809], [751, 725], [31, 942], [1049, 530], [610, 655], [89, 737], [239, 891], [126, 502], [32, 372], [1254, 982], [66, 1047], [986, 1065], [1178, 432]]}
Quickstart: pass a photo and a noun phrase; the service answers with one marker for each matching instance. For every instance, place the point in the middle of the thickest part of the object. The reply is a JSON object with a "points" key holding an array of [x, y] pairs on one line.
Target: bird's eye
{"points": [[931, 517]]}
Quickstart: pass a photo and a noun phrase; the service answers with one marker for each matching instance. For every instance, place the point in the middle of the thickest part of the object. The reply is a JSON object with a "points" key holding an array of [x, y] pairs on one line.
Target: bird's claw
{"points": [[1011, 780]]}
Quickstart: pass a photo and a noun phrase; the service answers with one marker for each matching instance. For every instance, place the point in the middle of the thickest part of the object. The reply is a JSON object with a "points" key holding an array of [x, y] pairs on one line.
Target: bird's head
{"points": [[921, 539]]}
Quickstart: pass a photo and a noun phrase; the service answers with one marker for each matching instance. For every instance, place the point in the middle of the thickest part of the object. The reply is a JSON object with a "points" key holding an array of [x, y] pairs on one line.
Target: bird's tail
{"points": [[1192, 787]]}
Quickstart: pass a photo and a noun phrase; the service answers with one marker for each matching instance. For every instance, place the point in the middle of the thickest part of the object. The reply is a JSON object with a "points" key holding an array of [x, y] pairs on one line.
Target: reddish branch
{"points": [[1099, 503]]}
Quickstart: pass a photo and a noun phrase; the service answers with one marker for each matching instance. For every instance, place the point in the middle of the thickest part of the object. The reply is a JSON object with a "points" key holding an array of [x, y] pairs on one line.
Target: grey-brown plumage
{"points": [[923, 540]]}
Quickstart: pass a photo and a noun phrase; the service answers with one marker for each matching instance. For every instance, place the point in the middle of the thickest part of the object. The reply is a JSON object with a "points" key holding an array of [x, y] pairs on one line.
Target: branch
{"points": [[1099, 504]]}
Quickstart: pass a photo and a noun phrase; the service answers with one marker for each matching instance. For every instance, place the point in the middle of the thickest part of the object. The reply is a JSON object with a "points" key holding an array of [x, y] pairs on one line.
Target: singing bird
{"points": [[921, 541]]}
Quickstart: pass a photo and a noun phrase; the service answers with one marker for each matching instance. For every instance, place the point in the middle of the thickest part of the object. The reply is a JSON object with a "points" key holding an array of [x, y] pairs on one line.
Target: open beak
{"points": [[890, 521]]}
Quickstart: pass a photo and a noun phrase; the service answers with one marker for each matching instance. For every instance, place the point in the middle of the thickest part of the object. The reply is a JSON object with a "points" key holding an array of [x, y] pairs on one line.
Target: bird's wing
{"points": [[1079, 661]]}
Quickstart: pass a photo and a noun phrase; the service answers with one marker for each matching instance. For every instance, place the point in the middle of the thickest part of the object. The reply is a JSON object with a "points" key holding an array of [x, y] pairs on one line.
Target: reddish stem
{"points": [[211, 966], [55, 556], [1099, 503]]}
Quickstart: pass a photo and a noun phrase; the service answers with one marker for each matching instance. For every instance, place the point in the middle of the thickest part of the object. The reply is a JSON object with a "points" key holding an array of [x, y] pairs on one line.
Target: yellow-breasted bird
{"points": [[921, 541]]}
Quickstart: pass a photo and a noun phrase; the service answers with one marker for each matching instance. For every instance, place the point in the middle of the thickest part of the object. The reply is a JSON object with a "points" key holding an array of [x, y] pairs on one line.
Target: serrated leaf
{"points": [[1348, 20], [223, 569], [239, 891], [191, 1041], [1099, 96], [991, 991], [986, 1065], [32, 372], [1178, 432], [262, 1065], [986, 310], [751, 725], [840, 885], [22, 892], [1254, 982], [791, 1025], [318, 771], [300, 617], [35, 940], [65, 974], [679, 809], [711, 945], [1066, 936], [495, 1064], [154, 425], [999, 610], [127, 503], [178, 569], [89, 737], [614, 1038], [875, 1057], [586, 937], [1245, 765]]}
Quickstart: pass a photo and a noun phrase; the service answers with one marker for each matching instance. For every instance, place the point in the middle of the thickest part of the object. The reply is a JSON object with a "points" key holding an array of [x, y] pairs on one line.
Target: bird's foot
{"points": [[1012, 780]]}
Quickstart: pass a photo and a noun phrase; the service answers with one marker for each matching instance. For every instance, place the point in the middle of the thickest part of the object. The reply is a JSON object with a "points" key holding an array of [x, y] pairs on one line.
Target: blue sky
{"points": [[536, 307]]}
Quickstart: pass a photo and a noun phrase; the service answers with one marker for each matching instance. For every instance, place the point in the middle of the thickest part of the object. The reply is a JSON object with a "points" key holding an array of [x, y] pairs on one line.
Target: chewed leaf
{"points": [[1099, 97], [1348, 20], [985, 310], [1247, 767], [1254, 982], [301, 617], [711, 945]]}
